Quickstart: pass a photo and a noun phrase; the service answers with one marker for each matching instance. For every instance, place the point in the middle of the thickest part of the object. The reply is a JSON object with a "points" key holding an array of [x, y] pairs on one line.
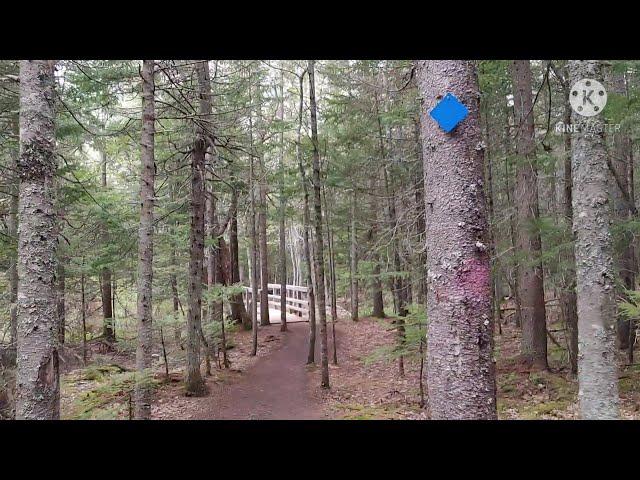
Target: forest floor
{"points": [[276, 384], [525, 393]]}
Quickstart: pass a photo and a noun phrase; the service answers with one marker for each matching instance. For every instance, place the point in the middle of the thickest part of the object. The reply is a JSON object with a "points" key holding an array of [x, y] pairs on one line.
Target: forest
{"points": [[319, 239]]}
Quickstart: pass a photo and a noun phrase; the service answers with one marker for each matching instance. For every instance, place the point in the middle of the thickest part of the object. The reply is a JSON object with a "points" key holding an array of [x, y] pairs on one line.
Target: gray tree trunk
{"points": [[306, 230], [332, 275], [253, 233], [529, 269], [262, 244], [145, 245], [283, 243], [354, 260], [238, 310], [12, 273], [568, 296], [376, 283], [319, 247], [38, 377], [194, 384], [597, 368], [108, 330], [460, 368]]}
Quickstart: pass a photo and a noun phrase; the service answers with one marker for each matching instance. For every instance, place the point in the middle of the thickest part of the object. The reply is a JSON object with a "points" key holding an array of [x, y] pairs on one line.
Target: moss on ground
{"points": [[355, 411], [99, 392]]}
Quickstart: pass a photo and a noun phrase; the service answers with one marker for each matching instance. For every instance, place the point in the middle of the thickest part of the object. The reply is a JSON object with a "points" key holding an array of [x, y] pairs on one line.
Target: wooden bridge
{"points": [[297, 299]]}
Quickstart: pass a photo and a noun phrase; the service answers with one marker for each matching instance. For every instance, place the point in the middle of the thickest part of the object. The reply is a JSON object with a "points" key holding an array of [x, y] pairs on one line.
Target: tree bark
{"points": [[495, 297], [108, 330], [262, 244], [529, 269], [145, 246], [319, 247], [83, 315], [354, 261], [194, 384], [306, 229], [283, 242], [568, 293], [332, 276], [38, 376], [376, 282], [398, 283], [460, 369], [420, 224], [238, 310], [12, 230], [597, 368], [253, 233]]}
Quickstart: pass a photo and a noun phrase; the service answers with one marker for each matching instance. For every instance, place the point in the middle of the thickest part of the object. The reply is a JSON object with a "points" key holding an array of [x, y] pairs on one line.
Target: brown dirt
{"points": [[276, 388], [276, 384], [367, 387]]}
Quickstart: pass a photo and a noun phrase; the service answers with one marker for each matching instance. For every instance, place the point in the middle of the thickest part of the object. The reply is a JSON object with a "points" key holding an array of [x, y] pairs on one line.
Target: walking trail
{"points": [[278, 387]]}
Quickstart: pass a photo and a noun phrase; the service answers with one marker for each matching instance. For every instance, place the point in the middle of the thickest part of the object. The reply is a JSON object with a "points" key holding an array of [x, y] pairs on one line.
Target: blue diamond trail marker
{"points": [[449, 112]]}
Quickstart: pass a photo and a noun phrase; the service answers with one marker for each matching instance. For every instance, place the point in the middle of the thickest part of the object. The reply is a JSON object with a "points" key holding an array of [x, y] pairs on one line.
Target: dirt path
{"points": [[278, 387]]}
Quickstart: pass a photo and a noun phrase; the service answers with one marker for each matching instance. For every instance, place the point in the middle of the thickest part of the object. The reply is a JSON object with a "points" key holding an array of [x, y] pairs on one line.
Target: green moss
{"points": [[629, 383], [108, 397], [539, 410], [508, 383], [366, 412]]}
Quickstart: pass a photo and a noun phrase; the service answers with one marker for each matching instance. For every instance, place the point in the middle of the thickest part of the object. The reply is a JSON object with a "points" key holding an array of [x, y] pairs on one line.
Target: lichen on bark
{"points": [[460, 368]]}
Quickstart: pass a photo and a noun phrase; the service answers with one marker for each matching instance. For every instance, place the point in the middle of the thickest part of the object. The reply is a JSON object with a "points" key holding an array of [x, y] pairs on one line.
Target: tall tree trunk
{"points": [[173, 277], [253, 233], [460, 370], [108, 331], [238, 310], [38, 376], [512, 275], [262, 244], [397, 282], [597, 368], [306, 229], [254, 260], [529, 269], [319, 247], [145, 245], [194, 384], [495, 297], [83, 315], [376, 284], [283, 243], [568, 293], [420, 224], [399, 290], [215, 266], [354, 260], [332, 275], [219, 278]]}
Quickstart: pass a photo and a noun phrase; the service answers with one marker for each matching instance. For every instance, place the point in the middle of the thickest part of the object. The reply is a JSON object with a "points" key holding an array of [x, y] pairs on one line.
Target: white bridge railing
{"points": [[297, 298]]}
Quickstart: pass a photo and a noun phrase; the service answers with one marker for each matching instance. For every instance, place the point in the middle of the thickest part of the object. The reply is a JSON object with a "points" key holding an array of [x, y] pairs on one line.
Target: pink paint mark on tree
{"points": [[474, 277]]}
